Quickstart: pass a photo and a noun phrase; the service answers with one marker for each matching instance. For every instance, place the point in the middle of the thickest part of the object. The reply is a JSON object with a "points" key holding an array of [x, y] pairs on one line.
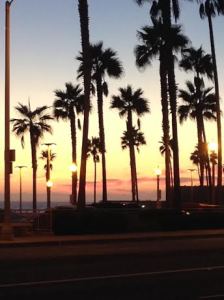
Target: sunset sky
{"points": [[45, 39]]}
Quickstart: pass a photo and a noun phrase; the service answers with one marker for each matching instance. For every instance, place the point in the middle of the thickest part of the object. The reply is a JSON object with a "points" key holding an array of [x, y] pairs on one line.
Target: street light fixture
{"points": [[49, 183], [73, 168], [20, 187], [158, 173]]}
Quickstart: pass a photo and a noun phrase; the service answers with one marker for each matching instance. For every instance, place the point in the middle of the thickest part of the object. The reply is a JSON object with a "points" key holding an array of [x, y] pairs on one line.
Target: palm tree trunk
{"points": [[173, 106], [34, 166], [200, 150], [165, 123], [94, 182], [166, 16], [102, 135], [136, 178], [74, 155], [84, 24], [207, 155], [132, 155], [218, 111]]}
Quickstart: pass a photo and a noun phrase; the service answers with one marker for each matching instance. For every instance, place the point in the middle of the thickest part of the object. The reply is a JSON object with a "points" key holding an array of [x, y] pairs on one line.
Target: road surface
{"points": [[191, 268]]}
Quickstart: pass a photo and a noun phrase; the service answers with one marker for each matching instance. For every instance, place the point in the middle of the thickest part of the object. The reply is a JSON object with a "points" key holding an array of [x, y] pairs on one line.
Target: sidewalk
{"points": [[52, 240]]}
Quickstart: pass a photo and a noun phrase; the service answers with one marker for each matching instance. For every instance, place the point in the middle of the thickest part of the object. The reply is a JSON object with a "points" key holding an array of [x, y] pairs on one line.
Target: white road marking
{"points": [[212, 297], [103, 277]]}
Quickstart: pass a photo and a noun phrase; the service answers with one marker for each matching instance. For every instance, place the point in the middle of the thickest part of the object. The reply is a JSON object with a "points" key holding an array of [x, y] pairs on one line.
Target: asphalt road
{"points": [[163, 269]]}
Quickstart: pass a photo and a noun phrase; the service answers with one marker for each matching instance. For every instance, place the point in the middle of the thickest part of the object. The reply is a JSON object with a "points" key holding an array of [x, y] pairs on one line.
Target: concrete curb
{"points": [[51, 240]]}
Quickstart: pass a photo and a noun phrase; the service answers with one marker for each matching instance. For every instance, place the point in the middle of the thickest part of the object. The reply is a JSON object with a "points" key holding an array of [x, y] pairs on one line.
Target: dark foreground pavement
{"points": [[177, 265]]}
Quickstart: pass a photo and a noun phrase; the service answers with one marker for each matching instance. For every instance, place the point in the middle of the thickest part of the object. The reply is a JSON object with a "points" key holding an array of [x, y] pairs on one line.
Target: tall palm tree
{"points": [[94, 149], [84, 26], [199, 104], [196, 61], [136, 137], [67, 105], [163, 10], [127, 102], [35, 123], [209, 9], [104, 63], [153, 44]]}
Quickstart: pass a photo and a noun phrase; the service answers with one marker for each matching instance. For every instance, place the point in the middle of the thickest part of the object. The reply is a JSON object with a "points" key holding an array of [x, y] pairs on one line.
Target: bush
{"points": [[120, 220]]}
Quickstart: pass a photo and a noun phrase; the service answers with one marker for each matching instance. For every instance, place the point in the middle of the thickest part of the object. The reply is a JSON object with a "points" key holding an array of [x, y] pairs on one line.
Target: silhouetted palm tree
{"points": [[199, 104], [35, 123], [163, 150], [163, 10], [84, 26], [104, 63], [67, 106], [198, 62], [136, 137], [44, 156], [154, 44], [201, 65], [209, 9], [195, 158], [94, 149], [127, 102]]}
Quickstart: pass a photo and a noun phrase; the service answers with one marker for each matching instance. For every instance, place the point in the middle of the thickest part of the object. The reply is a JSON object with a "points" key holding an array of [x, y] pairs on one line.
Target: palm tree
{"points": [[127, 102], [94, 149], [196, 61], [199, 104], [104, 63], [195, 158], [163, 150], [84, 25], [34, 122], [136, 137], [153, 44], [163, 10], [44, 156], [209, 9], [49, 157], [67, 105]]}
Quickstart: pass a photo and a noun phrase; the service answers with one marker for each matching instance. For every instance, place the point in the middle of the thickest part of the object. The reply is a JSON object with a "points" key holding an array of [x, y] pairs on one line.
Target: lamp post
{"points": [[158, 198], [49, 183], [191, 171], [7, 230], [73, 168], [20, 187]]}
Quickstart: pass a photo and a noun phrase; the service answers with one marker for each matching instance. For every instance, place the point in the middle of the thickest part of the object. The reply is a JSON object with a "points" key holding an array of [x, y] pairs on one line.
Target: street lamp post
{"points": [[20, 187], [7, 230], [158, 198], [73, 168], [49, 183]]}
